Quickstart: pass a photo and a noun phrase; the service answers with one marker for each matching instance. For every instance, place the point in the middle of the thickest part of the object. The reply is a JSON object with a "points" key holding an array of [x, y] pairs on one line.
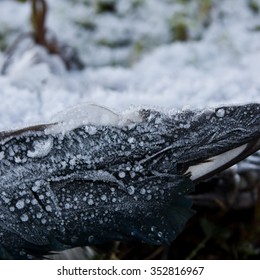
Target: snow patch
{"points": [[81, 115], [90, 114]]}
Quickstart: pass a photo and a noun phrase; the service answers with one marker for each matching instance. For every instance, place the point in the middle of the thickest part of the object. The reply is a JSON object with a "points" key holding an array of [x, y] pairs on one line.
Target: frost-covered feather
{"points": [[81, 181]]}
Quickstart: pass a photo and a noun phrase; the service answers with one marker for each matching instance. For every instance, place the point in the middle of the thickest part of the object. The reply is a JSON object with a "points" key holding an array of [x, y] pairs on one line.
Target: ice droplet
{"points": [[142, 191], [39, 215], [24, 218], [90, 201], [19, 204], [131, 190], [48, 208], [220, 113], [121, 174]]}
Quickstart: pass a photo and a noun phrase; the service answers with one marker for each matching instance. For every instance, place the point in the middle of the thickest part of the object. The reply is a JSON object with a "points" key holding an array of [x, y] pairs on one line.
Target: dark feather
{"points": [[95, 183]]}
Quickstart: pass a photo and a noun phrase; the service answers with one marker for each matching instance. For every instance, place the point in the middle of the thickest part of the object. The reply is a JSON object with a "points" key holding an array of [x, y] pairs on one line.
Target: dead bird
{"points": [[93, 176]]}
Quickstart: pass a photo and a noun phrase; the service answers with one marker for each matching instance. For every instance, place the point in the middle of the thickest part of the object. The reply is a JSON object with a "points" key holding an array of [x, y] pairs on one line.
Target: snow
{"points": [[218, 65], [219, 68], [80, 115]]}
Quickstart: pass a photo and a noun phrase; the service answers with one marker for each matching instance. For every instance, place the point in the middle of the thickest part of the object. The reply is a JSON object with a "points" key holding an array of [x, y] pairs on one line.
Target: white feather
{"points": [[213, 163]]}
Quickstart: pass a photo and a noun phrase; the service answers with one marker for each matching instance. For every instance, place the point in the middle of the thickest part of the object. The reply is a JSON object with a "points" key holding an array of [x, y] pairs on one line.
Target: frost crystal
{"points": [[220, 113], [90, 201], [80, 185], [19, 204], [24, 218]]}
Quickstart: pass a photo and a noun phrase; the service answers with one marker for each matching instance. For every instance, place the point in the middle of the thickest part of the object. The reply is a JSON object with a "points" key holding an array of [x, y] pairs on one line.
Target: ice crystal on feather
{"points": [[92, 180]]}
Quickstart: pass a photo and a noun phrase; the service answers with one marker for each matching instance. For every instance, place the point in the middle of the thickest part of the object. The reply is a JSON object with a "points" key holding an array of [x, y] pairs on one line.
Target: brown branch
{"points": [[39, 12]]}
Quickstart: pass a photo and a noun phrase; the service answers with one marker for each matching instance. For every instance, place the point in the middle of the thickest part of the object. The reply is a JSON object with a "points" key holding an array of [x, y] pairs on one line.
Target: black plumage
{"points": [[75, 183]]}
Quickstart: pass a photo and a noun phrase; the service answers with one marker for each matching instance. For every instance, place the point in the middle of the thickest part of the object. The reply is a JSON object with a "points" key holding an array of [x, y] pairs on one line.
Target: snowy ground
{"points": [[222, 67]]}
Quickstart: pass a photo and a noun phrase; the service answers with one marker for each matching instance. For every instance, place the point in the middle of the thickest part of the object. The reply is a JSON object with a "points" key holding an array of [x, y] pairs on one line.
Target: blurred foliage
{"points": [[86, 24], [254, 6], [3, 43], [190, 22], [105, 6], [97, 24], [179, 28]]}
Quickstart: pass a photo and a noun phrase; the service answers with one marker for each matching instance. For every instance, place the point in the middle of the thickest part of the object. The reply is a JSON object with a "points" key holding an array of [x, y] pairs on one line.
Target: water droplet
{"points": [[103, 197], [160, 234], [149, 197]]}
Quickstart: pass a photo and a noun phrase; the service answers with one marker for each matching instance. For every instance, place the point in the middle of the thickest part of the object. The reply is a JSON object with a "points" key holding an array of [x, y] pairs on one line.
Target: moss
{"points": [[138, 48], [254, 6], [137, 3], [183, 1], [87, 25], [256, 28], [179, 28], [3, 44], [105, 7], [205, 7], [114, 44]]}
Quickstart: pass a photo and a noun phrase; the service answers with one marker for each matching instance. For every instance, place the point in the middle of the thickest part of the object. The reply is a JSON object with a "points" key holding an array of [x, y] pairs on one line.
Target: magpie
{"points": [[91, 176]]}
